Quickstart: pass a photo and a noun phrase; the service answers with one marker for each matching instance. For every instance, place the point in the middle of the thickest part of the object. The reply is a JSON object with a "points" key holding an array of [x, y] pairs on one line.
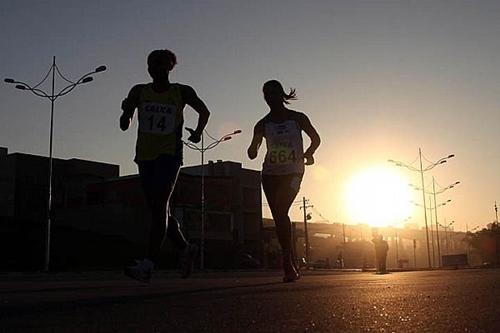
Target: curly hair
{"points": [[166, 54]]}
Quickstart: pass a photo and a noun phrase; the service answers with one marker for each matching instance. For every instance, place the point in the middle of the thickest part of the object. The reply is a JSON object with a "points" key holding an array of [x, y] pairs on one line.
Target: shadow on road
{"points": [[60, 305]]}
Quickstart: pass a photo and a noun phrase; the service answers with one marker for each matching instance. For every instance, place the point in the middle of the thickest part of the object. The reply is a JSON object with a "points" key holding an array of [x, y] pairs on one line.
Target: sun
{"points": [[379, 196]]}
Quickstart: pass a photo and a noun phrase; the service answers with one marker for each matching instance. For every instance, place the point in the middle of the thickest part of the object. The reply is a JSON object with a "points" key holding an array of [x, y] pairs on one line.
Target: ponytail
{"points": [[292, 95], [276, 88]]}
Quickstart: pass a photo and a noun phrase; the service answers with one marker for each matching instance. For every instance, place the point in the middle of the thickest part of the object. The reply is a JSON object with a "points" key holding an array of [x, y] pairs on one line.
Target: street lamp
{"points": [[421, 170], [430, 208], [435, 213], [215, 142], [434, 193], [446, 227], [52, 96]]}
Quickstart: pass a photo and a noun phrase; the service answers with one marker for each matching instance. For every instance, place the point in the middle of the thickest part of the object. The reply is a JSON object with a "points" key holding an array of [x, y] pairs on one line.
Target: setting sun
{"points": [[378, 196]]}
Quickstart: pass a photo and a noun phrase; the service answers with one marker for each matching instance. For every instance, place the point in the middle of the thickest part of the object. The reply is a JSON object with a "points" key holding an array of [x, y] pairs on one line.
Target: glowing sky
{"points": [[377, 78]]}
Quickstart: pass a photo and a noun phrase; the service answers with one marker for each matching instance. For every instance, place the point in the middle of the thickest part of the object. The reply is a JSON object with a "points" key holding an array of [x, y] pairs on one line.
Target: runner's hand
{"points": [[252, 152], [309, 159], [124, 122], [195, 137]]}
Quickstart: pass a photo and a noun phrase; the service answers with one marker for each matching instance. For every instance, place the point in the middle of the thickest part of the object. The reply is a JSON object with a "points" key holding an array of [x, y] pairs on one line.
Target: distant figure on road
{"points": [[381, 248], [340, 260], [283, 166], [160, 106]]}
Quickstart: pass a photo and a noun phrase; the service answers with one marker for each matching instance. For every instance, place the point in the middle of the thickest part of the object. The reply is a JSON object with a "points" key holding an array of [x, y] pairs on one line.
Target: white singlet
{"points": [[285, 150]]}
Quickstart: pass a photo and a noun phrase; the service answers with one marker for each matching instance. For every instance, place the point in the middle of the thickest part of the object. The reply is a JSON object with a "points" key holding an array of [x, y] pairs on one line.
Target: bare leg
{"points": [[280, 197], [174, 233]]}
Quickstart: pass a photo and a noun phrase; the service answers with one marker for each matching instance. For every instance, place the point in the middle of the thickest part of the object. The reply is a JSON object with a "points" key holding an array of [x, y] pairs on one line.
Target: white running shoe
{"points": [[188, 258], [141, 271]]}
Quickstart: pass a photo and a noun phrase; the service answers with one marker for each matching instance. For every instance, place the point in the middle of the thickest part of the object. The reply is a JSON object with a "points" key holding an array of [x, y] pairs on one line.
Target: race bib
{"points": [[157, 118], [283, 143], [282, 153]]}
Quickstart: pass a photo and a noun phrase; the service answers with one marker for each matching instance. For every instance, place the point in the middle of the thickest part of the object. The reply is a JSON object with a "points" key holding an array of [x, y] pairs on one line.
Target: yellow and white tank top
{"points": [[160, 117], [285, 150]]}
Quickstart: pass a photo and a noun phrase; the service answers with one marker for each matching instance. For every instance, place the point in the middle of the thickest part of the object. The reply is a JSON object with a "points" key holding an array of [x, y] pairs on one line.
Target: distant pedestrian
{"points": [[340, 260], [160, 106], [283, 166], [381, 248]]}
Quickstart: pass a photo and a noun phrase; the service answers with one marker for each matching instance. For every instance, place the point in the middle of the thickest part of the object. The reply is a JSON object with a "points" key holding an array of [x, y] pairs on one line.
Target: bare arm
{"points": [[129, 105], [199, 107], [307, 127], [258, 134]]}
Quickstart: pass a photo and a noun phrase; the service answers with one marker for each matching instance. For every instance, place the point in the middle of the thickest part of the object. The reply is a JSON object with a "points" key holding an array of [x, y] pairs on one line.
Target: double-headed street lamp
{"points": [[437, 229], [446, 227], [434, 193], [421, 169], [215, 142], [52, 96]]}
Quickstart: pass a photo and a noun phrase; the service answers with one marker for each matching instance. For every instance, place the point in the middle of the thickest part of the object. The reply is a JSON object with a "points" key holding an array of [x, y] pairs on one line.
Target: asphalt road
{"points": [[421, 301]]}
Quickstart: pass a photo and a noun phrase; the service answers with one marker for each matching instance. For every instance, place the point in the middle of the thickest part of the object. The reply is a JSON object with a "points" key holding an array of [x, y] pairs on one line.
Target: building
{"points": [[24, 197], [236, 217], [98, 216], [232, 212]]}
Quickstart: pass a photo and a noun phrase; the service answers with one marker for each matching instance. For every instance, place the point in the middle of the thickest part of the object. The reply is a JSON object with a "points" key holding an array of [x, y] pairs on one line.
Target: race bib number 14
{"points": [[157, 118]]}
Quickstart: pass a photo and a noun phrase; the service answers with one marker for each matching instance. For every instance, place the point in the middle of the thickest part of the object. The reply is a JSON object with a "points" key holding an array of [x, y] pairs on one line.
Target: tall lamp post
{"points": [[430, 208], [52, 97], [434, 193], [446, 227], [215, 142], [421, 169]]}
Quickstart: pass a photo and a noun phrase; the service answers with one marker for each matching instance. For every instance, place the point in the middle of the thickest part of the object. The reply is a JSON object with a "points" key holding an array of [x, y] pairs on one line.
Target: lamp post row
{"points": [[421, 169], [434, 193]]}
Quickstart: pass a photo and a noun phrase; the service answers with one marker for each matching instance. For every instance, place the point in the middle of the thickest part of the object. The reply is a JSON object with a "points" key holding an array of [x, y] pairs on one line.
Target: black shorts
{"points": [[281, 187], [158, 176]]}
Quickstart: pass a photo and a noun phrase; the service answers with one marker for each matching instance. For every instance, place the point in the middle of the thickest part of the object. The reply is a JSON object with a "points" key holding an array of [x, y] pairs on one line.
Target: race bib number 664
{"points": [[282, 154]]}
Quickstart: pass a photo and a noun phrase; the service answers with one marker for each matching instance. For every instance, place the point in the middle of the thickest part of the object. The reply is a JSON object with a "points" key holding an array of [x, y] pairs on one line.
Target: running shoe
{"points": [[141, 271]]}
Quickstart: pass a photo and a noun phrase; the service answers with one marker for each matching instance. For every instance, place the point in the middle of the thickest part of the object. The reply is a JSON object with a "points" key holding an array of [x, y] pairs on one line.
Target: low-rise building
{"points": [[93, 203]]}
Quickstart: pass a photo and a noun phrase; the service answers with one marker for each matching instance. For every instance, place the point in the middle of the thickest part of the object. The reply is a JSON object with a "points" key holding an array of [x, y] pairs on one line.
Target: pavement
{"points": [[322, 301]]}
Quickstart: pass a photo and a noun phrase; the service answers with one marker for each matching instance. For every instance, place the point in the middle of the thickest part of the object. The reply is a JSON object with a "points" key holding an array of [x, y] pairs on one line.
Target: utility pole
{"points": [[496, 226], [496, 212], [306, 235]]}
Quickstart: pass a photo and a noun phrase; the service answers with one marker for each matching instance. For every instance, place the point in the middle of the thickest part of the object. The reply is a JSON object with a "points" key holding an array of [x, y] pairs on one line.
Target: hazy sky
{"points": [[377, 78]]}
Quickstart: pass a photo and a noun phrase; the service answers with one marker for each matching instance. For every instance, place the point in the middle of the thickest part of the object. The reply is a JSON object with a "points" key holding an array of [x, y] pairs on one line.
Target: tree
{"points": [[487, 242]]}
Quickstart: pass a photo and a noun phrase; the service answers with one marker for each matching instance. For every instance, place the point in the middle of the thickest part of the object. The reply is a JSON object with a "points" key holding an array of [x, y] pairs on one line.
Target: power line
{"points": [[317, 212]]}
